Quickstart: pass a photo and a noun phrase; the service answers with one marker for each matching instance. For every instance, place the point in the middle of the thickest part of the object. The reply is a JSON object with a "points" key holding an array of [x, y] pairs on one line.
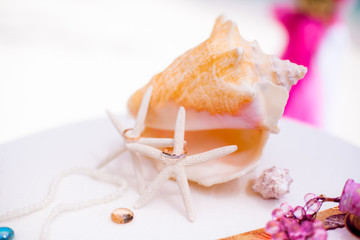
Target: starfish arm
{"points": [[140, 119], [154, 186], [115, 121], [157, 142], [111, 157], [179, 132], [138, 171], [209, 155], [182, 181], [145, 150]]}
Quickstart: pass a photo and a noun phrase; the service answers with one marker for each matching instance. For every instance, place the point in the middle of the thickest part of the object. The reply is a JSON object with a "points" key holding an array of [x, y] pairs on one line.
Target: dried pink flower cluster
{"points": [[295, 224], [273, 183], [350, 198], [299, 223]]}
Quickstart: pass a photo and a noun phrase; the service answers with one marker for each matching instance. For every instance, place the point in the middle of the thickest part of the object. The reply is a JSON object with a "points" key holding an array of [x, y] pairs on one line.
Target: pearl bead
{"points": [[6, 233]]}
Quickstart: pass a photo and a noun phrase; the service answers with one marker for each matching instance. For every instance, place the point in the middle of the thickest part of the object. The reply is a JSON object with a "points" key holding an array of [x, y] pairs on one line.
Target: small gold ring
{"points": [[127, 138], [168, 153]]}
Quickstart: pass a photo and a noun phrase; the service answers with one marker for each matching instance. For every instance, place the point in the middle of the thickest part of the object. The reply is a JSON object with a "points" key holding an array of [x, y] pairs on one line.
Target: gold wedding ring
{"points": [[168, 152], [127, 138]]}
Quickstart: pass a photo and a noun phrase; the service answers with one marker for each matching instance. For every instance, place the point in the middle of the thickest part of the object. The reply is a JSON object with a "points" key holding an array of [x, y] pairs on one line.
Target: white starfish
{"points": [[176, 163], [134, 135]]}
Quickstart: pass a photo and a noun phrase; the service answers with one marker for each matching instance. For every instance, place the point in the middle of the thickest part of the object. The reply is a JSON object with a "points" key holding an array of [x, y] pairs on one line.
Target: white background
{"points": [[66, 61]]}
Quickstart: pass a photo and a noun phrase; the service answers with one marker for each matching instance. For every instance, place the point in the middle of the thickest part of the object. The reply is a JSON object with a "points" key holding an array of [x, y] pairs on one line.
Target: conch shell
{"points": [[233, 93]]}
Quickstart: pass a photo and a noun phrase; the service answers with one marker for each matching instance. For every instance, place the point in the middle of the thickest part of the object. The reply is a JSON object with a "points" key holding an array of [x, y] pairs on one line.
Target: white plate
{"points": [[318, 163]]}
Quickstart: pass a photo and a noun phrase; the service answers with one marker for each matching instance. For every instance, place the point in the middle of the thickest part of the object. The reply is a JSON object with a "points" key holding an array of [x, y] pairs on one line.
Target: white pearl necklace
{"points": [[66, 207]]}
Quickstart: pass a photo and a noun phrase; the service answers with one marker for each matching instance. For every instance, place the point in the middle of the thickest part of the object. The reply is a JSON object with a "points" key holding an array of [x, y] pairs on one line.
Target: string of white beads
{"points": [[66, 207]]}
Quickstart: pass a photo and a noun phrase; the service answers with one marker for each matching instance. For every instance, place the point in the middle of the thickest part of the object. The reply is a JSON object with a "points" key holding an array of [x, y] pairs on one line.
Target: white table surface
{"points": [[318, 163]]}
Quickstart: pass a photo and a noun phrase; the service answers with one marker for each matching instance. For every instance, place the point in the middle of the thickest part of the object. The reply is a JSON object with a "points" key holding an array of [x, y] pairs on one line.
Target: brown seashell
{"points": [[233, 93]]}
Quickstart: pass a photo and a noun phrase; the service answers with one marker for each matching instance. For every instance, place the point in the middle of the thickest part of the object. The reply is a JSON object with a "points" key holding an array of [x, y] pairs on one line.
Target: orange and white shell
{"points": [[233, 93]]}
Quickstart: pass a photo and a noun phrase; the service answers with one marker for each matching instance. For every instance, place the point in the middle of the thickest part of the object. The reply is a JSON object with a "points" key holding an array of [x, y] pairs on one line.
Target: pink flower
{"points": [[350, 198]]}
